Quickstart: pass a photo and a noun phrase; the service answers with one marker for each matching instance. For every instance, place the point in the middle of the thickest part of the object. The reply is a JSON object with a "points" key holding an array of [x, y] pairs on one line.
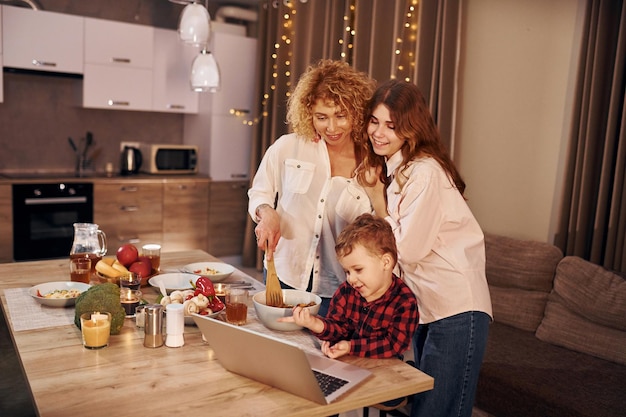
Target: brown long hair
{"points": [[415, 125]]}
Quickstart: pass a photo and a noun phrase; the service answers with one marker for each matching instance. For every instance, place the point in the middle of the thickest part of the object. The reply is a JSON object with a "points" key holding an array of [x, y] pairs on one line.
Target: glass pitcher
{"points": [[89, 242]]}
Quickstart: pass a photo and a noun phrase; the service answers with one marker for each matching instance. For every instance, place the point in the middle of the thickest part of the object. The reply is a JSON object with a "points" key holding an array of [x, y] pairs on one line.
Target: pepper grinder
{"points": [[175, 325], [153, 326]]}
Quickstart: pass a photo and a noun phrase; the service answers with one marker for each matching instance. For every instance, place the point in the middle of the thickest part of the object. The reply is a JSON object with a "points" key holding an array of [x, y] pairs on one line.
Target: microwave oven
{"points": [[168, 159]]}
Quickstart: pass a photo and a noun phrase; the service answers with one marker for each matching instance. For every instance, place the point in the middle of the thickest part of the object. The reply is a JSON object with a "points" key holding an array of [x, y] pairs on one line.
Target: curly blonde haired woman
{"points": [[304, 191]]}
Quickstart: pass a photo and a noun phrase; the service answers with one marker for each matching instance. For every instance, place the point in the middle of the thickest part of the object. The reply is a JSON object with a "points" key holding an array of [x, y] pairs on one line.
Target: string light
{"points": [[405, 45]]}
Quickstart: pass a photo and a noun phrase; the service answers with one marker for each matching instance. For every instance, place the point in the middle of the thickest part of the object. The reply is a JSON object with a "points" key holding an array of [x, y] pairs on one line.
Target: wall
{"points": [[516, 70]]}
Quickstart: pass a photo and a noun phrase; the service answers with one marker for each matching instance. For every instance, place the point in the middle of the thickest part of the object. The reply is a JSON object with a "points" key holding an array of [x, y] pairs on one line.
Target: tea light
{"points": [[95, 329], [129, 300]]}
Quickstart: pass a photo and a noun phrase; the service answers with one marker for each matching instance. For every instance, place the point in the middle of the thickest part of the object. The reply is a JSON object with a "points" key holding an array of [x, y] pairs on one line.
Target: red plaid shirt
{"points": [[380, 329]]}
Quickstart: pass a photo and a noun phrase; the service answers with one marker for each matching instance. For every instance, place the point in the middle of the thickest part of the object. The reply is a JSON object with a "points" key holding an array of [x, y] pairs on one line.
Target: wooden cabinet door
{"points": [[42, 41], [185, 214], [129, 213], [228, 210], [6, 223]]}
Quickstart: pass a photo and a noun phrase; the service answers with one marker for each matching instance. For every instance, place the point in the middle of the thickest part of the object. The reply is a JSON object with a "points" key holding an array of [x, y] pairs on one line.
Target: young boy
{"points": [[373, 314]]}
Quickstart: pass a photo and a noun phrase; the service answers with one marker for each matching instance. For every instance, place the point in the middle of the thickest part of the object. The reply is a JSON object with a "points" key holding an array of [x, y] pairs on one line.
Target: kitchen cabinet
{"points": [[118, 65], [224, 140], [171, 70], [228, 211], [185, 214], [43, 41], [129, 212], [6, 223]]}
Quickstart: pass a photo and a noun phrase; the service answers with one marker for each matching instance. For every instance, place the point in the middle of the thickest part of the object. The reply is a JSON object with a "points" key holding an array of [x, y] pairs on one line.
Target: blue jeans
{"points": [[450, 350], [325, 301]]}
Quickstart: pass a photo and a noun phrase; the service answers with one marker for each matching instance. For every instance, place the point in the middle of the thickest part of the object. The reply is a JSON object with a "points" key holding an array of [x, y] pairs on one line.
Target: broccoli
{"points": [[103, 298]]}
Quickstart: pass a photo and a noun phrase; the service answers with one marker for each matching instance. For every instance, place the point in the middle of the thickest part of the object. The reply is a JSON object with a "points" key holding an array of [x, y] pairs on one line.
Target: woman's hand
{"points": [[267, 230], [338, 349], [376, 192]]}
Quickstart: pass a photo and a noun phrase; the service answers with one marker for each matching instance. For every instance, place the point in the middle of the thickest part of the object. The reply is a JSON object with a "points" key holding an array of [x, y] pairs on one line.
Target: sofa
{"points": [[557, 345]]}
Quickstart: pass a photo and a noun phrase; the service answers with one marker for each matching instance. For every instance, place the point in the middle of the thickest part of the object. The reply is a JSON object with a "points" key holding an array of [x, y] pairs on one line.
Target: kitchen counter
{"points": [[52, 177], [128, 379]]}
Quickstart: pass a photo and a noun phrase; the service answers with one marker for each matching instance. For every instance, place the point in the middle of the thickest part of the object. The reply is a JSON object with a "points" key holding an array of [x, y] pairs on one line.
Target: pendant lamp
{"points": [[194, 25], [205, 74]]}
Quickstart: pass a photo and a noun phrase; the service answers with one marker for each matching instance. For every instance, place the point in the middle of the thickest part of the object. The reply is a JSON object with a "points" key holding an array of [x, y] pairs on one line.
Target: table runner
{"points": [[28, 314]]}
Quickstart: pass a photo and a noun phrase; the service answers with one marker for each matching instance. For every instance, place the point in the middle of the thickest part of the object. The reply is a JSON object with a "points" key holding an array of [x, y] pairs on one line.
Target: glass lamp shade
{"points": [[205, 74], [194, 25]]}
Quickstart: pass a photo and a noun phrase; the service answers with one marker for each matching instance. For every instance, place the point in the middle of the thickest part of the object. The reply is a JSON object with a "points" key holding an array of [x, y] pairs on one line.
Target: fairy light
{"points": [[404, 49], [406, 44]]}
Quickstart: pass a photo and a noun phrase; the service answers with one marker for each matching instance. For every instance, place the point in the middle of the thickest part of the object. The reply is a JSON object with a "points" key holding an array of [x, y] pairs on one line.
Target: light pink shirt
{"points": [[441, 246]]}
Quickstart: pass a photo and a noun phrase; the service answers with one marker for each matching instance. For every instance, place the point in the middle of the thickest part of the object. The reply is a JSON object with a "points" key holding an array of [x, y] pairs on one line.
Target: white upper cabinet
{"points": [[43, 41], [118, 65], [171, 70], [236, 58]]}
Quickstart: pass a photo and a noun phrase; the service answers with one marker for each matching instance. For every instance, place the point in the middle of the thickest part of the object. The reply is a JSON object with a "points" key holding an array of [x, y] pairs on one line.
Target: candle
{"points": [[129, 300], [95, 329]]}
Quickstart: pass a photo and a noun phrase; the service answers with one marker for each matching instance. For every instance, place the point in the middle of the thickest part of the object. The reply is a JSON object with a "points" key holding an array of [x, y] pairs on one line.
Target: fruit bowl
{"points": [[268, 315]]}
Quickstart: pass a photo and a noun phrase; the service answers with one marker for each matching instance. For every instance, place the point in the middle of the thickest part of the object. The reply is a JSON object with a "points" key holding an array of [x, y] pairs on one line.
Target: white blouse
{"points": [[313, 208], [440, 244]]}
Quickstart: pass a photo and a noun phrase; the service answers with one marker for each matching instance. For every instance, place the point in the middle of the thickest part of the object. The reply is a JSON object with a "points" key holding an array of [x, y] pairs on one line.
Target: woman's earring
{"points": [[317, 137]]}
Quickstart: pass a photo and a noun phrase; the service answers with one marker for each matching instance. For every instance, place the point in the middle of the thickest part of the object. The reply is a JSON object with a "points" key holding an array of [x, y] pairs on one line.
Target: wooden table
{"points": [[127, 378]]}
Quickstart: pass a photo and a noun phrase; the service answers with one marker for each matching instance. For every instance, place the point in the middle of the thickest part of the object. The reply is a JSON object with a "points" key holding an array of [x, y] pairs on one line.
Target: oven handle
{"points": [[54, 200]]}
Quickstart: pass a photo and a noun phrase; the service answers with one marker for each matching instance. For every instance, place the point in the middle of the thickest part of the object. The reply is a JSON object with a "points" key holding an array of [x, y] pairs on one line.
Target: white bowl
{"points": [[59, 285], [173, 281], [268, 315], [215, 271]]}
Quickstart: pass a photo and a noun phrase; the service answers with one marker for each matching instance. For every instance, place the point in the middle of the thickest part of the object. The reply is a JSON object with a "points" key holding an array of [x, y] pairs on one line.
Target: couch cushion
{"points": [[518, 308], [522, 376], [516, 263], [520, 275], [586, 311]]}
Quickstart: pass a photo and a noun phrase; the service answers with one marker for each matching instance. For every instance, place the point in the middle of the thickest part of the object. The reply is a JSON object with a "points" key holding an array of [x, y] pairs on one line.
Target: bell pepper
{"points": [[205, 286]]}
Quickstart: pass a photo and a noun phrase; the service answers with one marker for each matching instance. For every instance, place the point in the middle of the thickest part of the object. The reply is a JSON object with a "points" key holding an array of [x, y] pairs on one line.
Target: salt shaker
{"points": [[140, 316], [153, 326], [175, 325]]}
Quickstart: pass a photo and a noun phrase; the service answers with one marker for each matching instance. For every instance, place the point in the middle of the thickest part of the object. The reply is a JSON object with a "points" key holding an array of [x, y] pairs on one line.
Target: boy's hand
{"points": [[303, 317], [338, 349]]}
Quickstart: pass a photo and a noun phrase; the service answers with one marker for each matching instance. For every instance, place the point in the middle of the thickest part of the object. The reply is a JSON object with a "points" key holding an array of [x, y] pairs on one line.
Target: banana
{"points": [[105, 267], [121, 268]]}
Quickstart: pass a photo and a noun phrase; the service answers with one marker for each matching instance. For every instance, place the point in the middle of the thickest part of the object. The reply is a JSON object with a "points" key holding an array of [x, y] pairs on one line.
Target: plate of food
{"points": [[58, 294], [193, 303], [215, 271]]}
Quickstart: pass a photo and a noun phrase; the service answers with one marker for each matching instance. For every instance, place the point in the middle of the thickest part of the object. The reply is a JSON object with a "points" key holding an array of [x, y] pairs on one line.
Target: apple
{"points": [[127, 254], [141, 268], [144, 258]]}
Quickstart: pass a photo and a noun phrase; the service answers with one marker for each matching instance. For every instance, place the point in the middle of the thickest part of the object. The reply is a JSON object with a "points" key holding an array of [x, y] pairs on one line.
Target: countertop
{"points": [[53, 177]]}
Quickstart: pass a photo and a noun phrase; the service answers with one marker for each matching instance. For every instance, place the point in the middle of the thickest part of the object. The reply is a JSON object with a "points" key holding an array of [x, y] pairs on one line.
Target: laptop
{"points": [[284, 365]]}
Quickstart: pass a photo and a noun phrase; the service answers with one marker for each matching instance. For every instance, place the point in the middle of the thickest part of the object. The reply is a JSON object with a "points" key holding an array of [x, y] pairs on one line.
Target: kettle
{"points": [[131, 160]]}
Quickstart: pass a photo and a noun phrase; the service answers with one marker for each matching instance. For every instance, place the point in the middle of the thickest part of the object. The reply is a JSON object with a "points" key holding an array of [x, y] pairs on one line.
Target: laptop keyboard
{"points": [[329, 383]]}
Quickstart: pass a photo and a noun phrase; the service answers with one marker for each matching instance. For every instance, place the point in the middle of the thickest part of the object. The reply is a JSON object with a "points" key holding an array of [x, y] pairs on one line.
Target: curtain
{"points": [[409, 39], [592, 223]]}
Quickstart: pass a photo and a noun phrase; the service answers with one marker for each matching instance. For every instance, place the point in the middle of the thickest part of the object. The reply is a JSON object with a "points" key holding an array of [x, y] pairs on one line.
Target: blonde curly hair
{"points": [[331, 81]]}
